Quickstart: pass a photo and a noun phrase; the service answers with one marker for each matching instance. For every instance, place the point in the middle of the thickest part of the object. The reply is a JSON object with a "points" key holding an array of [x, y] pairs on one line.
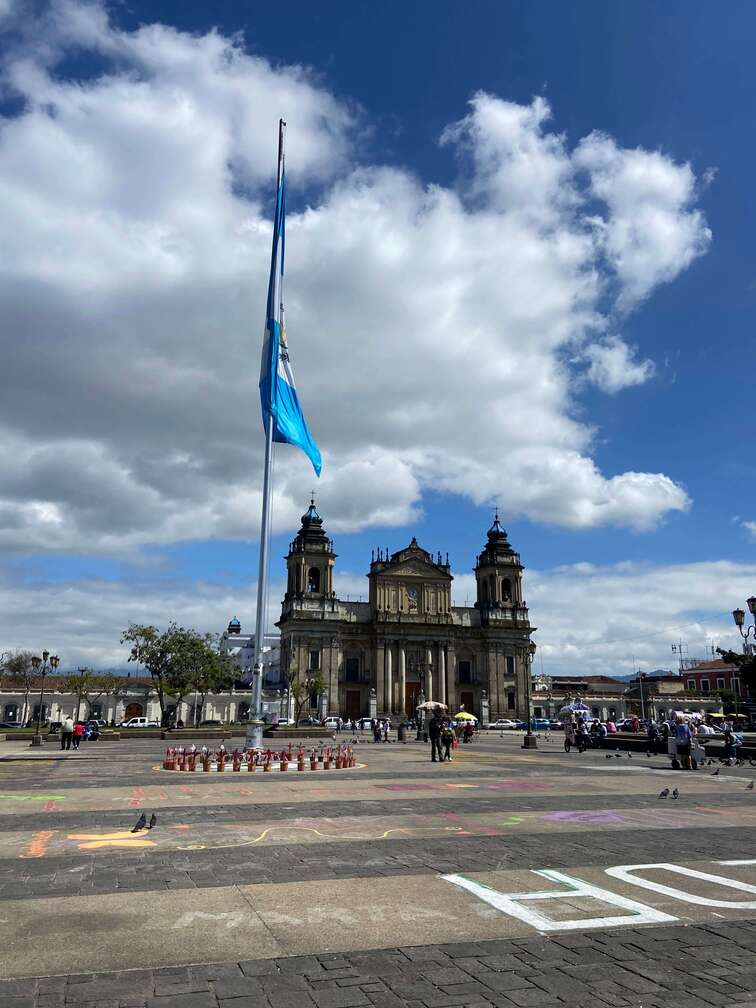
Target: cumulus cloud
{"points": [[613, 368], [617, 615], [429, 325], [750, 529], [629, 614], [649, 229]]}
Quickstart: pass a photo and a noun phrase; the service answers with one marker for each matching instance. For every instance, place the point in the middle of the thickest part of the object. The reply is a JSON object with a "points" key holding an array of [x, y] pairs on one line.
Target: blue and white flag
{"points": [[278, 393]]}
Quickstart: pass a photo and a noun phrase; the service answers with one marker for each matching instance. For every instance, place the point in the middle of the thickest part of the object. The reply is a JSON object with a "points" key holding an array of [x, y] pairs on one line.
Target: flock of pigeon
{"points": [[676, 793], [142, 824]]}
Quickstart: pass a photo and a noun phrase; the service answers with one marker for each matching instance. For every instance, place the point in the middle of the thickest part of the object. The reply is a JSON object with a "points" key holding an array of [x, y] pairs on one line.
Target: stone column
{"points": [[401, 701], [451, 661], [429, 673], [334, 663], [379, 681], [388, 691], [441, 672]]}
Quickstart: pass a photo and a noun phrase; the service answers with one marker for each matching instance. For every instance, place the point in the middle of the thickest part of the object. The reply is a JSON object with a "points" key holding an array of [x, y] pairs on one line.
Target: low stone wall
{"points": [[297, 733]]}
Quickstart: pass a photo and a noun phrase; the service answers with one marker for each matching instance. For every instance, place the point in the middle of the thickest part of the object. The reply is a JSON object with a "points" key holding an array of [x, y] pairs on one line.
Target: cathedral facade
{"points": [[407, 642]]}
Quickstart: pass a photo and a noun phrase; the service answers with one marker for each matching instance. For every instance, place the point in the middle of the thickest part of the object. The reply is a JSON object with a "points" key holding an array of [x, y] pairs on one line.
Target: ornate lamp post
{"points": [[529, 742], [738, 616], [36, 662], [419, 714]]}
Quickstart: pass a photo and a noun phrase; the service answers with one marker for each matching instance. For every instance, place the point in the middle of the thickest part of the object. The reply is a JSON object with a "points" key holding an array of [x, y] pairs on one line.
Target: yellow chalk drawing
{"points": [[93, 841]]}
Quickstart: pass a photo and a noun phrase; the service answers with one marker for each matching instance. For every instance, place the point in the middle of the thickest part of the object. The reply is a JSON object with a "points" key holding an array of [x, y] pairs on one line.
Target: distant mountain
{"points": [[656, 674]]}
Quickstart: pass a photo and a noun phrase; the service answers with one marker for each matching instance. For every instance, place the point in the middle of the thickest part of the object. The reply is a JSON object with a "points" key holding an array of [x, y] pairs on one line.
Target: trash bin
{"points": [[402, 733]]}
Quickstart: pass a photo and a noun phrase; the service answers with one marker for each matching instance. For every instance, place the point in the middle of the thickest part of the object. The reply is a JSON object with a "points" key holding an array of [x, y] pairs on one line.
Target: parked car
{"points": [[139, 722], [502, 723], [211, 723], [97, 721], [9, 724], [333, 722], [541, 724]]}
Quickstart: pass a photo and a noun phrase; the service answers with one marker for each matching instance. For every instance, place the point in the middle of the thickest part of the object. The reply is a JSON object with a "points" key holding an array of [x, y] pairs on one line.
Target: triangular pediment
{"points": [[414, 561]]}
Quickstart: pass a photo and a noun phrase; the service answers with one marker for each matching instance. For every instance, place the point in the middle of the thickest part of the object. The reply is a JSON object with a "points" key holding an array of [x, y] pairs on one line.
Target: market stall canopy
{"points": [[432, 705], [574, 708], [464, 716]]}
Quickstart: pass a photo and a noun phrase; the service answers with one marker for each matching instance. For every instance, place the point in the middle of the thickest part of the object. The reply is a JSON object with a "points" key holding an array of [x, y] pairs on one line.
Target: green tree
{"points": [[746, 666], [302, 690], [88, 686], [159, 653], [20, 672], [176, 660], [208, 670]]}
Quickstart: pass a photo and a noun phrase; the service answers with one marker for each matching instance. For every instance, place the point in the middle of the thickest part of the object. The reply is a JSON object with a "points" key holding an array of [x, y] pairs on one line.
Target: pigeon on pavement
{"points": [[675, 793], [140, 823], [153, 821], [716, 773], [664, 793], [749, 787]]}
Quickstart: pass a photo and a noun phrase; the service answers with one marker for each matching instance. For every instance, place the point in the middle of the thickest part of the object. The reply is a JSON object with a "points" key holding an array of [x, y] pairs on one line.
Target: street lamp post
{"points": [[36, 662], [529, 741], [641, 676], [420, 712], [738, 616]]}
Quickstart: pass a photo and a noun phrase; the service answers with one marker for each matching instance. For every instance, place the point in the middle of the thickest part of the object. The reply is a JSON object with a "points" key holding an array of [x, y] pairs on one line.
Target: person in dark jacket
{"points": [[435, 727]]}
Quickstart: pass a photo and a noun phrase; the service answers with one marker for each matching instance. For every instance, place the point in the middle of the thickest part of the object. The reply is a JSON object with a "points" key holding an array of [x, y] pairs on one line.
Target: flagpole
{"points": [[255, 727]]}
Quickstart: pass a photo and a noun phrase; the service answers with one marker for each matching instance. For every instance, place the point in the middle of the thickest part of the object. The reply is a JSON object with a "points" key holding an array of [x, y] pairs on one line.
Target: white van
{"points": [[139, 722]]}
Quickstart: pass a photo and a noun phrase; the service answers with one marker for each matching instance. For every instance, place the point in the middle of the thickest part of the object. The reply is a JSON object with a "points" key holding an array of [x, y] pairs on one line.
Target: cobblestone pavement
{"points": [[399, 884]]}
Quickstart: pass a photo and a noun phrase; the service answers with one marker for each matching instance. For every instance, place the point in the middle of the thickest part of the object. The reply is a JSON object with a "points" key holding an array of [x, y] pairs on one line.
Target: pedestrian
{"points": [[66, 733], [683, 741], [447, 740], [582, 736], [569, 736], [78, 734], [377, 731], [435, 726], [386, 729], [339, 724]]}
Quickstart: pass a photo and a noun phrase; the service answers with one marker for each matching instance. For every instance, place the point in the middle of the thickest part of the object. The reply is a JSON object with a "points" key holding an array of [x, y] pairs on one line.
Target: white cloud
{"points": [[650, 230], [750, 528], [429, 326], [592, 619], [612, 367]]}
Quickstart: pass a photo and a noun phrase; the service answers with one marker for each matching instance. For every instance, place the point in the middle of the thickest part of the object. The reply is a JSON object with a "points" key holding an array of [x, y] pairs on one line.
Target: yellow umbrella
{"points": [[464, 716]]}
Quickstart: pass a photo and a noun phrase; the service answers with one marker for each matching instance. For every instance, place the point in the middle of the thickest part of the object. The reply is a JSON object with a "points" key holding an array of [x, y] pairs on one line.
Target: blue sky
{"points": [[108, 481]]}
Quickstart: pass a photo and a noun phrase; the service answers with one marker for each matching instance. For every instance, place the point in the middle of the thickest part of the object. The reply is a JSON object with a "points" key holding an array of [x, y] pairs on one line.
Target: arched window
{"points": [[506, 590], [11, 712], [484, 591], [313, 579]]}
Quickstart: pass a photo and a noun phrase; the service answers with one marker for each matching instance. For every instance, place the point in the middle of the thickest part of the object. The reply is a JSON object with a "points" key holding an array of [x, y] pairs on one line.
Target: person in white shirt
{"points": [[66, 733]]}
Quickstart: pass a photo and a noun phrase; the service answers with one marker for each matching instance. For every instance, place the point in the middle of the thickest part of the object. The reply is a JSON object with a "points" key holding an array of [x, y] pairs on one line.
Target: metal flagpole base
{"points": [[254, 738], [37, 740], [529, 742]]}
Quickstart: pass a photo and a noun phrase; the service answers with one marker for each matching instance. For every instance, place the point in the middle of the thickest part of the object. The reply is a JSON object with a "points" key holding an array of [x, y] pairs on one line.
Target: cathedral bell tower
{"points": [[498, 574], [310, 559]]}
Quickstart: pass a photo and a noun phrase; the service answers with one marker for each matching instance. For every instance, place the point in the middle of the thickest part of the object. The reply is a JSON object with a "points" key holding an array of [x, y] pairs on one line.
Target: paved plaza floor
{"points": [[506, 877]]}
